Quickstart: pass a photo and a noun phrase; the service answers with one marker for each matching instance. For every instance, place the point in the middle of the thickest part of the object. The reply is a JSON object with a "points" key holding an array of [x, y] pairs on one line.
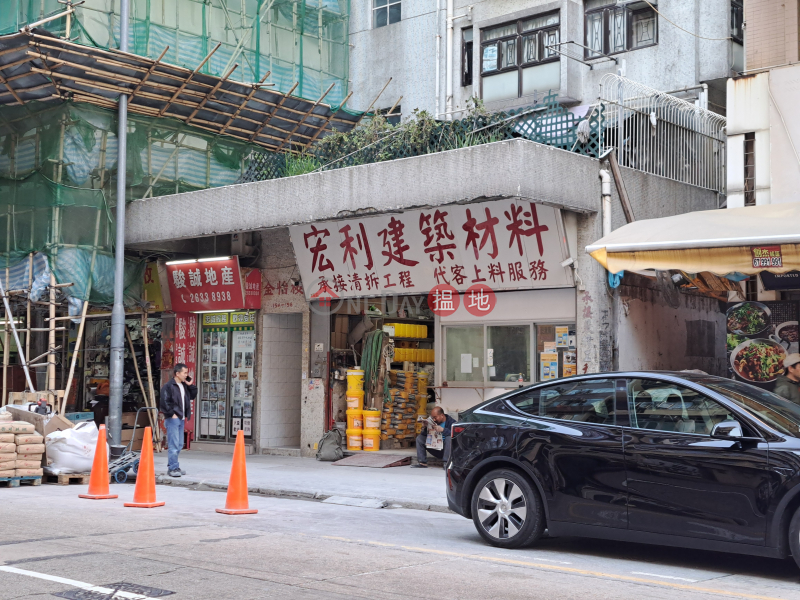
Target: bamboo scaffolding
{"points": [[153, 417], [153, 403]]}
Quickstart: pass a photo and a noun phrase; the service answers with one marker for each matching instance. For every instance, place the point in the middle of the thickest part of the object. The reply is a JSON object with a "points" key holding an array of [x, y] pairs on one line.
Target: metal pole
{"points": [[118, 311]]}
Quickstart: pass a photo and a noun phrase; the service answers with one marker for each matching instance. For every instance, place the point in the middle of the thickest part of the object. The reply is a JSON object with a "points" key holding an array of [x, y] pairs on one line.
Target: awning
{"points": [[744, 240]]}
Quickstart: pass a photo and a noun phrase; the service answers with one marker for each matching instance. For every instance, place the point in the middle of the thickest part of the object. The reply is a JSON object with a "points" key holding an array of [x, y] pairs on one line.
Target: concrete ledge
{"points": [[206, 485]]}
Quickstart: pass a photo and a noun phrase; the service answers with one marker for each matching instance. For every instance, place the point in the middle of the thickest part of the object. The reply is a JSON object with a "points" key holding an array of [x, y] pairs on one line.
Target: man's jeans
{"points": [[443, 454], [174, 441]]}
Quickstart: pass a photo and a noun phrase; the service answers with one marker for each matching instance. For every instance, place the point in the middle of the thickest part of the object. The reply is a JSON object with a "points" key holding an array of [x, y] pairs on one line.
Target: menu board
{"points": [[759, 336], [243, 348]]}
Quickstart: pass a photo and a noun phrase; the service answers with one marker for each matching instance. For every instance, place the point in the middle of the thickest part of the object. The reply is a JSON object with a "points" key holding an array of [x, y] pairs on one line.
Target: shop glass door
{"points": [[227, 383]]}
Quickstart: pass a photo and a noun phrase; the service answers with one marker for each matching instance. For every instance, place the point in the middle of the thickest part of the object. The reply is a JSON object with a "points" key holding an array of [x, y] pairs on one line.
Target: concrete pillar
{"points": [[595, 324]]}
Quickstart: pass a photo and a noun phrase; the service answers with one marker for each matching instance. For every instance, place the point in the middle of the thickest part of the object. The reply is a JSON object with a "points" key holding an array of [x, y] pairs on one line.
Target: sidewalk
{"points": [[295, 477]]}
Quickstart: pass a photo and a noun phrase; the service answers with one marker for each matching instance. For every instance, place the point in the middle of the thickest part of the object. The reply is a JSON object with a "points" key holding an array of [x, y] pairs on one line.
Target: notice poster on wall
{"points": [[548, 364], [243, 347], [562, 337], [570, 366]]}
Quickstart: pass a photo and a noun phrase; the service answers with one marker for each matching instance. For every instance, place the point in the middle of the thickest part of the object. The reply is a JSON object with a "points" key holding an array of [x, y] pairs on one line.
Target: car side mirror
{"points": [[727, 430]]}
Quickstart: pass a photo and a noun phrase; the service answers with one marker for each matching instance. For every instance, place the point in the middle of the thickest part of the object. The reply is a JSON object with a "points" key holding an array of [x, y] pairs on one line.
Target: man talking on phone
{"points": [[176, 403]]}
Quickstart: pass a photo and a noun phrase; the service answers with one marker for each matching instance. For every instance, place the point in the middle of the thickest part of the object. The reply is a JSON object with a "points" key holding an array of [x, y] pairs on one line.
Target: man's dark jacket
{"points": [[171, 399]]}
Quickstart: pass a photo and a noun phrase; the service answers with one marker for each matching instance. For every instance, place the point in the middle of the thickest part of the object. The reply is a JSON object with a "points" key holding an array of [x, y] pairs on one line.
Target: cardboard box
{"points": [[342, 324], [129, 418], [77, 417], [56, 422], [127, 434]]}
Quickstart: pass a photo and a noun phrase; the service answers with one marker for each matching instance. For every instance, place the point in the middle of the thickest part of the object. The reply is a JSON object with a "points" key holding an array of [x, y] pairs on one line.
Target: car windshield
{"points": [[781, 414]]}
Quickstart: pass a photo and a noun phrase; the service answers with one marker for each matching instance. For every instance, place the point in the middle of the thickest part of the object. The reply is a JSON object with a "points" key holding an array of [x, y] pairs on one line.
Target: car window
{"points": [[667, 406], [588, 401], [782, 414]]}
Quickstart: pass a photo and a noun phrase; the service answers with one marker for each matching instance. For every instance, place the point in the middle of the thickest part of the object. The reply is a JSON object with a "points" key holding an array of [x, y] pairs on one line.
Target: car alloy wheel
{"points": [[502, 509]]}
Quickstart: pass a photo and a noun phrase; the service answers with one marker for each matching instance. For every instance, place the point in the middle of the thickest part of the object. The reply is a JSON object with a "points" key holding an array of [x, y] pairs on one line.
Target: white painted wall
{"points": [[281, 372]]}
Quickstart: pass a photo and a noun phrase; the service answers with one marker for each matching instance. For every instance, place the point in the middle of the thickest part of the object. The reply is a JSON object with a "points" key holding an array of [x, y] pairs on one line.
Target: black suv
{"points": [[677, 459]]}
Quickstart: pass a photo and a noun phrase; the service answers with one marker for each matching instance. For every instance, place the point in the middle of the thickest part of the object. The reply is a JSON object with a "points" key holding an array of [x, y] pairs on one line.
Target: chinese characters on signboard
{"points": [[504, 244], [185, 345], [252, 289], [206, 285], [765, 257]]}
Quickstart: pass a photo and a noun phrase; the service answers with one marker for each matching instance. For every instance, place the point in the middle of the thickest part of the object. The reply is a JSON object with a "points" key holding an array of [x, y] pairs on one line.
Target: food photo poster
{"points": [[758, 336]]}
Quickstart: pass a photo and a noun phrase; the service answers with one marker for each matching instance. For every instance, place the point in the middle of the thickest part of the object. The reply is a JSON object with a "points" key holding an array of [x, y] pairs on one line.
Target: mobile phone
{"points": [[188, 379]]}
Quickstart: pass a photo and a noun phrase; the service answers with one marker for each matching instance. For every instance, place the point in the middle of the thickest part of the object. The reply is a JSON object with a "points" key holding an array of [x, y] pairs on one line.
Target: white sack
{"points": [[72, 450]]}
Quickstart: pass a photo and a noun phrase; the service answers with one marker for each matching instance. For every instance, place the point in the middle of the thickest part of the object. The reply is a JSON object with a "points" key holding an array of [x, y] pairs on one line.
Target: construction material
{"points": [[236, 502], [144, 495], [355, 418], [355, 380], [371, 419], [98, 480], [355, 439], [371, 439], [72, 450]]}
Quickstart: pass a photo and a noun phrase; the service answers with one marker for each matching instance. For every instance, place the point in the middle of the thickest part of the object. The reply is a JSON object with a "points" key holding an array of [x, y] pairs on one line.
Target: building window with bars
{"points": [[737, 21], [750, 169], [466, 57], [520, 58], [612, 27], [385, 12]]}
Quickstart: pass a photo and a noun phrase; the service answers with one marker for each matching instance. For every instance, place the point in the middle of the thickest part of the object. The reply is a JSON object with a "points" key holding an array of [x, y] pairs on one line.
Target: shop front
{"points": [[475, 298], [215, 306]]}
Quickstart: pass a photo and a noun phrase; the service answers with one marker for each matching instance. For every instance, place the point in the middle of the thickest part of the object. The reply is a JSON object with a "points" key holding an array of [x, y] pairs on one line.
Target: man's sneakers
{"points": [[176, 473], [420, 466], [183, 472]]}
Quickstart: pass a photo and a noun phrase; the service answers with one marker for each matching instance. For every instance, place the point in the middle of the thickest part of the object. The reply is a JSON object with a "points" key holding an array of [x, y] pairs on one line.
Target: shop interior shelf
{"points": [[407, 339], [400, 362]]}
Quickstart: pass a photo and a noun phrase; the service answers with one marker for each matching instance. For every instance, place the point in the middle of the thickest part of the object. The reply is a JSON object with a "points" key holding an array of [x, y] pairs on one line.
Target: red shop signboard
{"points": [[206, 285], [186, 350]]}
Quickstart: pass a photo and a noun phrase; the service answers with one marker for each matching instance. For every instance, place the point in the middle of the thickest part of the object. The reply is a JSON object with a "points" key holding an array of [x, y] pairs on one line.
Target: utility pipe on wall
{"points": [[605, 191], [118, 311], [449, 63], [437, 106]]}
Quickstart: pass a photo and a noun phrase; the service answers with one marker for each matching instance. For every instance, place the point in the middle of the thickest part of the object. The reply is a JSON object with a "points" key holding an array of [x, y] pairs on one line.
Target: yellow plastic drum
{"points": [[355, 399], [355, 439], [371, 439], [355, 419], [372, 419], [355, 380]]}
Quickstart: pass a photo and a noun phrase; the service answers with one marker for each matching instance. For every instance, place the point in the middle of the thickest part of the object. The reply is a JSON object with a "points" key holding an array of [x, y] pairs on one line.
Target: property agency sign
{"points": [[206, 285], [504, 244]]}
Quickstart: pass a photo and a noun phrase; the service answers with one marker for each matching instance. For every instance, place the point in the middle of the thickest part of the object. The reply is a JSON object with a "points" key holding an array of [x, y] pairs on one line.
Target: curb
{"points": [[205, 486]]}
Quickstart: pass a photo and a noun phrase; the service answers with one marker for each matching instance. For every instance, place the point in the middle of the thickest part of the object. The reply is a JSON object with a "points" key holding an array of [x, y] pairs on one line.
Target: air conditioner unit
{"points": [[242, 244]]}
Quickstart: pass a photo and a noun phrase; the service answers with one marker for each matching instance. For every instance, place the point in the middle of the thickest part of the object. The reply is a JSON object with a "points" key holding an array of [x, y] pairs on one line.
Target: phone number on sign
{"points": [[213, 297]]}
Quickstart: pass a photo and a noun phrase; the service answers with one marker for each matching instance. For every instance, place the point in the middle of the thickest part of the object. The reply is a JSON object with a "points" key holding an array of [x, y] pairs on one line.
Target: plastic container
{"points": [[355, 418], [422, 331], [355, 380], [400, 354], [355, 439], [370, 440], [372, 419], [355, 399]]}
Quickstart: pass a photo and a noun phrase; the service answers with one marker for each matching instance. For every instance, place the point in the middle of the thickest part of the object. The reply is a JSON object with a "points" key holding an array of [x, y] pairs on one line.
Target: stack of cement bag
{"points": [[21, 448]]}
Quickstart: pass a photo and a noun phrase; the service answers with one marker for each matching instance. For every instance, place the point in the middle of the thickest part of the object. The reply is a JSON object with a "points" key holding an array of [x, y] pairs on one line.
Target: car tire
{"points": [[794, 537], [507, 510]]}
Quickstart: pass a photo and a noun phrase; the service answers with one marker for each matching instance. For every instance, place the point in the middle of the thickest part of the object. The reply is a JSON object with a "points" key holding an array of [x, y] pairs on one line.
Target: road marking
{"points": [[78, 584], [664, 576], [571, 570]]}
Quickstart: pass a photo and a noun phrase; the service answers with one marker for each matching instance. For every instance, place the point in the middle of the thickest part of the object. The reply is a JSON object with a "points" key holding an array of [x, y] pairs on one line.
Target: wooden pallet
{"points": [[68, 478], [16, 481]]}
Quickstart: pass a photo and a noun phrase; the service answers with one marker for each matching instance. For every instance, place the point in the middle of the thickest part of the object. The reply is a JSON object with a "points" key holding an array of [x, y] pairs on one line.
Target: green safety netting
{"points": [[72, 228], [297, 41], [76, 145]]}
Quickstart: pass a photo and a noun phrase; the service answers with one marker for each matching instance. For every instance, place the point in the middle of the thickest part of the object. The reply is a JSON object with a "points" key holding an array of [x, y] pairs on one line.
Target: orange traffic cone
{"points": [[98, 481], [144, 495], [236, 503]]}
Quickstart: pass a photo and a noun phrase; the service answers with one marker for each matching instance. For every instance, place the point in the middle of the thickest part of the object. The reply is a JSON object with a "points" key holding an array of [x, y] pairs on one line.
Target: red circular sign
{"points": [[443, 300], [480, 300]]}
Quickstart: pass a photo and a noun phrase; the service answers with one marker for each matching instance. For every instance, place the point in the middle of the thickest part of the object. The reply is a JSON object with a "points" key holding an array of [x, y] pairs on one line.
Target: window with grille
{"points": [[611, 27], [750, 169], [520, 58], [385, 12]]}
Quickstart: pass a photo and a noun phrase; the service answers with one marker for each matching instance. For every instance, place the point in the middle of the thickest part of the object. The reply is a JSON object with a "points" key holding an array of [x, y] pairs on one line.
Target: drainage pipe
{"points": [[605, 191]]}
